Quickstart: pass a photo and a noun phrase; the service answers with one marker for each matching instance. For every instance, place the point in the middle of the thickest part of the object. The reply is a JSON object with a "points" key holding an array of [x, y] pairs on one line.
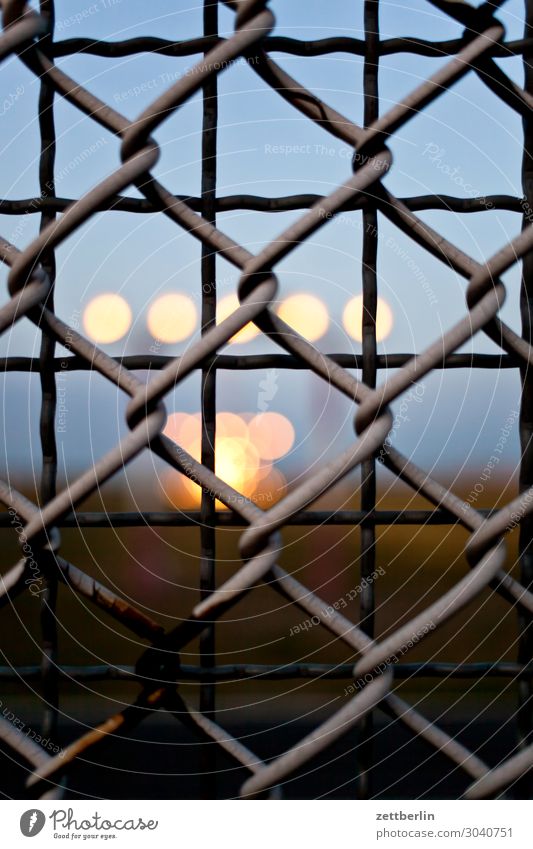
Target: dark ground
{"points": [[405, 767]]}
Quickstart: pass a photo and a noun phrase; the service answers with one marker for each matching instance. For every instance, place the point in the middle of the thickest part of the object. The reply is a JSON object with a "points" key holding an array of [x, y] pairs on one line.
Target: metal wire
{"points": [[31, 283]]}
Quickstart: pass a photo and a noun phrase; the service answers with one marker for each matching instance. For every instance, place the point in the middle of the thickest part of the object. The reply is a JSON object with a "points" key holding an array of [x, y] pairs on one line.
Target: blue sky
{"points": [[478, 138]]}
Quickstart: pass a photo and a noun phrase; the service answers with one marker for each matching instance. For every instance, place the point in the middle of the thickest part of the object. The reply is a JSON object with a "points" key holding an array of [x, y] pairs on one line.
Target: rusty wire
{"points": [[31, 283]]}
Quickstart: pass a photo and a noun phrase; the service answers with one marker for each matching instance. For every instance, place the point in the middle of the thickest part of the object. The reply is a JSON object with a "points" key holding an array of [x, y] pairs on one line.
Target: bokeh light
{"points": [[236, 463], [272, 434], [107, 318], [352, 318], [231, 424], [172, 317], [181, 491], [244, 455], [183, 428], [227, 305], [306, 314], [270, 489]]}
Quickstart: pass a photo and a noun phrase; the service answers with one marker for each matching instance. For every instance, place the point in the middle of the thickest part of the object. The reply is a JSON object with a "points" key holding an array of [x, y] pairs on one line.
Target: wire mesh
{"points": [[29, 35]]}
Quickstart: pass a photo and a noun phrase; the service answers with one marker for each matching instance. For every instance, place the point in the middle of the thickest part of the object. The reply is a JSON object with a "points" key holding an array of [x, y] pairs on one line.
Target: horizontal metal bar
{"points": [[278, 44], [225, 518], [250, 362], [271, 672], [345, 670], [257, 203]]}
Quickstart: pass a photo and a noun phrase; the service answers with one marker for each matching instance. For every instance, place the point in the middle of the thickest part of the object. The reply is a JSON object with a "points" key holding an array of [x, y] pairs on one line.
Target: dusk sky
{"points": [[145, 256]]}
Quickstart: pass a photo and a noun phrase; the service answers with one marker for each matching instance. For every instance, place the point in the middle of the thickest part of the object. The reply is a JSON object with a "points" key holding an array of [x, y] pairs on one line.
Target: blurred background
{"points": [[275, 427]]}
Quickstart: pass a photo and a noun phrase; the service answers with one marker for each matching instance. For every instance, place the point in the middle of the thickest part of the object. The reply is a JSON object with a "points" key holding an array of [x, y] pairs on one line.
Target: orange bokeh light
{"points": [[272, 434], [225, 307], [107, 318], [306, 314], [352, 319], [172, 317], [244, 455]]}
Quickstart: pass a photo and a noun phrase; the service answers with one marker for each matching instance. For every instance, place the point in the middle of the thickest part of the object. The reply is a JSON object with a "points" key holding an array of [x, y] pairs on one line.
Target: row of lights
{"points": [[174, 318], [246, 448]]}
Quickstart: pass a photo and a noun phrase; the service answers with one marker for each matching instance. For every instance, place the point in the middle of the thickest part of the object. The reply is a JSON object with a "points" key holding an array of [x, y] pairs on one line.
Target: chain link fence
{"points": [[28, 35]]}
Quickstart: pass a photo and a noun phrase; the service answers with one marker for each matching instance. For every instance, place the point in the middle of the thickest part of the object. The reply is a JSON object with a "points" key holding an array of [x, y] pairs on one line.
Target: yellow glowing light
{"points": [[174, 425], [232, 462], [225, 307], [192, 492], [185, 429], [181, 492], [191, 435], [236, 463], [237, 458], [252, 461], [265, 467], [230, 424], [352, 318], [172, 318], [272, 434], [107, 318], [306, 314]]}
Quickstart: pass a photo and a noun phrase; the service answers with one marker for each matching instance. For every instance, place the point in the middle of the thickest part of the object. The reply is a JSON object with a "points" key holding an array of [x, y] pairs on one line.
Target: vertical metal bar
{"points": [[369, 279], [208, 400], [525, 650], [48, 391]]}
